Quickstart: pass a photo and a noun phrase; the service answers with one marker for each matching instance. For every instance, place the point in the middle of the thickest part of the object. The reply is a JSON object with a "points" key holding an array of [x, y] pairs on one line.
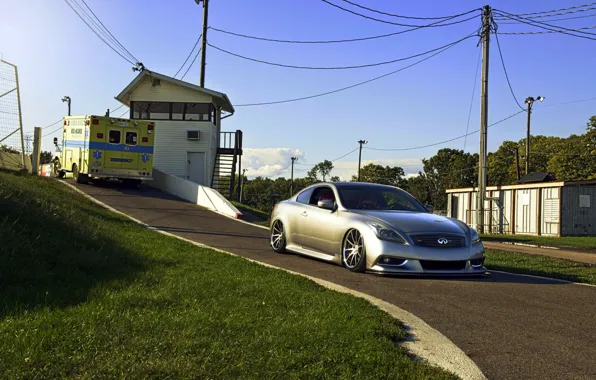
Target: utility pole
{"points": [[529, 101], [360, 156], [486, 28], [241, 185], [517, 162], [292, 177], [67, 100], [204, 39]]}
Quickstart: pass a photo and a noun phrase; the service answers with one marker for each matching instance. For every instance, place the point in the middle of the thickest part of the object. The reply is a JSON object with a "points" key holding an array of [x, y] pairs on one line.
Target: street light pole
{"points": [[529, 101], [360, 156], [67, 100], [292, 177]]}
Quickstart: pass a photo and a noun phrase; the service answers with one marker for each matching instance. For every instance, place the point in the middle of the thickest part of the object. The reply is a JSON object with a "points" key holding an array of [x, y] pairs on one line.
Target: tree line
{"points": [[568, 158]]}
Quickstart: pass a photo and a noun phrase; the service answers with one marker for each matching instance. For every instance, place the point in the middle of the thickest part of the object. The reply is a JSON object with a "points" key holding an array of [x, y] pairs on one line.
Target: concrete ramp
{"points": [[194, 193]]}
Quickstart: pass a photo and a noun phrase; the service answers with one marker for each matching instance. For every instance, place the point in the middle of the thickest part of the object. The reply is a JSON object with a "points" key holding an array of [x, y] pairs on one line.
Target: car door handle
{"points": [[304, 213]]}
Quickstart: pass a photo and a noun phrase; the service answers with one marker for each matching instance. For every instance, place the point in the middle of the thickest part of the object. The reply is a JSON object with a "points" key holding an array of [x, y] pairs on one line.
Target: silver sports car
{"points": [[379, 228]]}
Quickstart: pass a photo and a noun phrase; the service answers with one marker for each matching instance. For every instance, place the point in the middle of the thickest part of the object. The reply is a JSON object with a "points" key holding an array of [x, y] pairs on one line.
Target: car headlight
{"points": [[475, 236], [385, 233]]}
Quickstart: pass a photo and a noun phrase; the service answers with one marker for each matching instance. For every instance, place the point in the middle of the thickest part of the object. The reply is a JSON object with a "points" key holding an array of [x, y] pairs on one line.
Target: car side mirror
{"points": [[55, 140], [429, 208], [326, 204]]}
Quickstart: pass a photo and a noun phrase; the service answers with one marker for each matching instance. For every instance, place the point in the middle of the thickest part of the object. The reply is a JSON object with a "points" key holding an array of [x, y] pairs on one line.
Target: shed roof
{"points": [[222, 98], [537, 177]]}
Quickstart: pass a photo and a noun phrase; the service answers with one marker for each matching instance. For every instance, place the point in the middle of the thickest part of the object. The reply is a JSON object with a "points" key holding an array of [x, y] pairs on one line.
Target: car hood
{"points": [[416, 222]]}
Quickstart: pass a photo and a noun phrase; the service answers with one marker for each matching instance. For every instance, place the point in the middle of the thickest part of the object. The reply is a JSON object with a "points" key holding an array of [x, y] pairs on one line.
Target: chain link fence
{"points": [[12, 147]]}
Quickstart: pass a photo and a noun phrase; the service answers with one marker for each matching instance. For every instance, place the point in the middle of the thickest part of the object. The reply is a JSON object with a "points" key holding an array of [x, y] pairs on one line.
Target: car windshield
{"points": [[375, 197]]}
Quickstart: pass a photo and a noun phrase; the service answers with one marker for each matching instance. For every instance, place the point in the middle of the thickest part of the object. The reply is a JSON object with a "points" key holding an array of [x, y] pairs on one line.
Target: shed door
{"points": [[195, 170]]}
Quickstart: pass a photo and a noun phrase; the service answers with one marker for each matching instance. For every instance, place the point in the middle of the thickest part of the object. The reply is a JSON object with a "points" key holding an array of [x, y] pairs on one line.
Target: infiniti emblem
{"points": [[442, 241]]}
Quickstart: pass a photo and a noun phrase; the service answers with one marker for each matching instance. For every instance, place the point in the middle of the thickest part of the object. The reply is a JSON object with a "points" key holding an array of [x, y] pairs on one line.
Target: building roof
{"points": [[223, 98], [537, 177]]}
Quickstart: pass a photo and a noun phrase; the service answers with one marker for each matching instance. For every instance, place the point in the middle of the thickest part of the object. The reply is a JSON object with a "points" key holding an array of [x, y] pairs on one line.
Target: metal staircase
{"points": [[229, 154]]}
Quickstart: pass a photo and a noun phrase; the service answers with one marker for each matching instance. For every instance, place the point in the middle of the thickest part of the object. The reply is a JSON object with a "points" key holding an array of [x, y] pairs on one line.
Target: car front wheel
{"points": [[354, 252]]}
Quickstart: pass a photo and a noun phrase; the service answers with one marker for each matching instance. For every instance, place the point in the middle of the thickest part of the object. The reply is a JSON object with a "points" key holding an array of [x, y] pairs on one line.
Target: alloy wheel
{"points": [[353, 250]]}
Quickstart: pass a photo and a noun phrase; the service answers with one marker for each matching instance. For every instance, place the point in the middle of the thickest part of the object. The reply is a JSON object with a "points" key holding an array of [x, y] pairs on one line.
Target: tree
{"points": [[335, 179], [574, 159], [501, 165], [449, 168], [385, 175], [320, 170], [45, 157]]}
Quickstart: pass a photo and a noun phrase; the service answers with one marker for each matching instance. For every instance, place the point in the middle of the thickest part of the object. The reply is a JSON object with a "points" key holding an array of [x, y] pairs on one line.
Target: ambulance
{"points": [[103, 147]]}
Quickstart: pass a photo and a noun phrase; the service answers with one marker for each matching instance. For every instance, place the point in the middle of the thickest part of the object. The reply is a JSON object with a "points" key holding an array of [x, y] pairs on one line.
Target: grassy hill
{"points": [[88, 293]]}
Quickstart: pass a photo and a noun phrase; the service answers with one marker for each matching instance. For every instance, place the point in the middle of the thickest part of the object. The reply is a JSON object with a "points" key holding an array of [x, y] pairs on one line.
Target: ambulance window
{"points": [[114, 137], [131, 138]]}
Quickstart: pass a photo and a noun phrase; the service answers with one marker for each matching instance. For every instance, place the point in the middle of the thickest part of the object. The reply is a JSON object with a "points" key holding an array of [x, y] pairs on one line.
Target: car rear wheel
{"points": [[278, 237], [354, 252]]}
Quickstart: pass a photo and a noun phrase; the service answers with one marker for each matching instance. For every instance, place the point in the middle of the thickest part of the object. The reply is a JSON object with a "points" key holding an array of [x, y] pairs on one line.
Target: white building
{"points": [[537, 208], [189, 142]]}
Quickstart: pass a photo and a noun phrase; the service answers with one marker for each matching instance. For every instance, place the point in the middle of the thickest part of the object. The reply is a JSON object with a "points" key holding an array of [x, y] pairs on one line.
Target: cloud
{"points": [[267, 162], [270, 162]]}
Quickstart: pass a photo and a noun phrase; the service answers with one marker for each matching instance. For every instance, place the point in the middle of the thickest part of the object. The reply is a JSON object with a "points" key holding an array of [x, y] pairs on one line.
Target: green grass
{"points": [[571, 242], [85, 293], [541, 266]]}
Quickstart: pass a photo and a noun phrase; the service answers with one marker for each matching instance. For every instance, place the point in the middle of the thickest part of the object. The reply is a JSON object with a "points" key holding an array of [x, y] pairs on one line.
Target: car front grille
{"points": [[439, 241], [442, 265]]}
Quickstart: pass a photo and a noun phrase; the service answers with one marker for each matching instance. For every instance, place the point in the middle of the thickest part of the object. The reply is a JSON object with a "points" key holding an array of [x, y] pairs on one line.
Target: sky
{"points": [[58, 55]]}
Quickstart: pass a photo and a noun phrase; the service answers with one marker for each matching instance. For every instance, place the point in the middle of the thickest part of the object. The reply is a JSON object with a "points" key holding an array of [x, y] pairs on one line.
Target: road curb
{"points": [[424, 342]]}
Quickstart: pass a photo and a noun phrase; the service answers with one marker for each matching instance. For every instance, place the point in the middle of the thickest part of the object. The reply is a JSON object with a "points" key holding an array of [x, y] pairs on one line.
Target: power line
{"points": [[400, 24], [281, 170], [544, 23], [107, 30], [192, 63], [344, 88], [97, 34], [51, 125], [505, 70], [189, 54], [336, 67], [553, 20], [401, 16], [445, 141], [557, 10], [547, 32], [329, 41], [540, 25]]}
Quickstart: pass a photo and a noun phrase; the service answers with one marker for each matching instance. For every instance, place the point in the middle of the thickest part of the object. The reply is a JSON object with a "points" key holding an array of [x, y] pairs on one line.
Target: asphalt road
{"points": [[513, 327]]}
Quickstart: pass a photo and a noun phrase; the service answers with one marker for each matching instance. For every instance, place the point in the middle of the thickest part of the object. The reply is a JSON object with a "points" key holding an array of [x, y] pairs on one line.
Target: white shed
{"points": [[547, 208], [189, 142]]}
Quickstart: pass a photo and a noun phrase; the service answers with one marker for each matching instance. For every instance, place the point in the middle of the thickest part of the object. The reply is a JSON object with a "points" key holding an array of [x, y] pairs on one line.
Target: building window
{"points": [[177, 111], [174, 111], [197, 111], [114, 137], [131, 138]]}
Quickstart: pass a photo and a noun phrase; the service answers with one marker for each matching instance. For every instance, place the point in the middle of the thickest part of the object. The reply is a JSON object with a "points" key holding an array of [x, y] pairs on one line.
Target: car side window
{"points": [[320, 193], [304, 197]]}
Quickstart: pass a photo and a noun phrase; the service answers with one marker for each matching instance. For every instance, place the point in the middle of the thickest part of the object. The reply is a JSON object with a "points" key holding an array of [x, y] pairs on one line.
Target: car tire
{"points": [[278, 237], [79, 178], [354, 260]]}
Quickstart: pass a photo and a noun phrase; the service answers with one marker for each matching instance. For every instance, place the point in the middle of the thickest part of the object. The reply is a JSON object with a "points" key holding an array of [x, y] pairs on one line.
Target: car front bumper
{"points": [[389, 257]]}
